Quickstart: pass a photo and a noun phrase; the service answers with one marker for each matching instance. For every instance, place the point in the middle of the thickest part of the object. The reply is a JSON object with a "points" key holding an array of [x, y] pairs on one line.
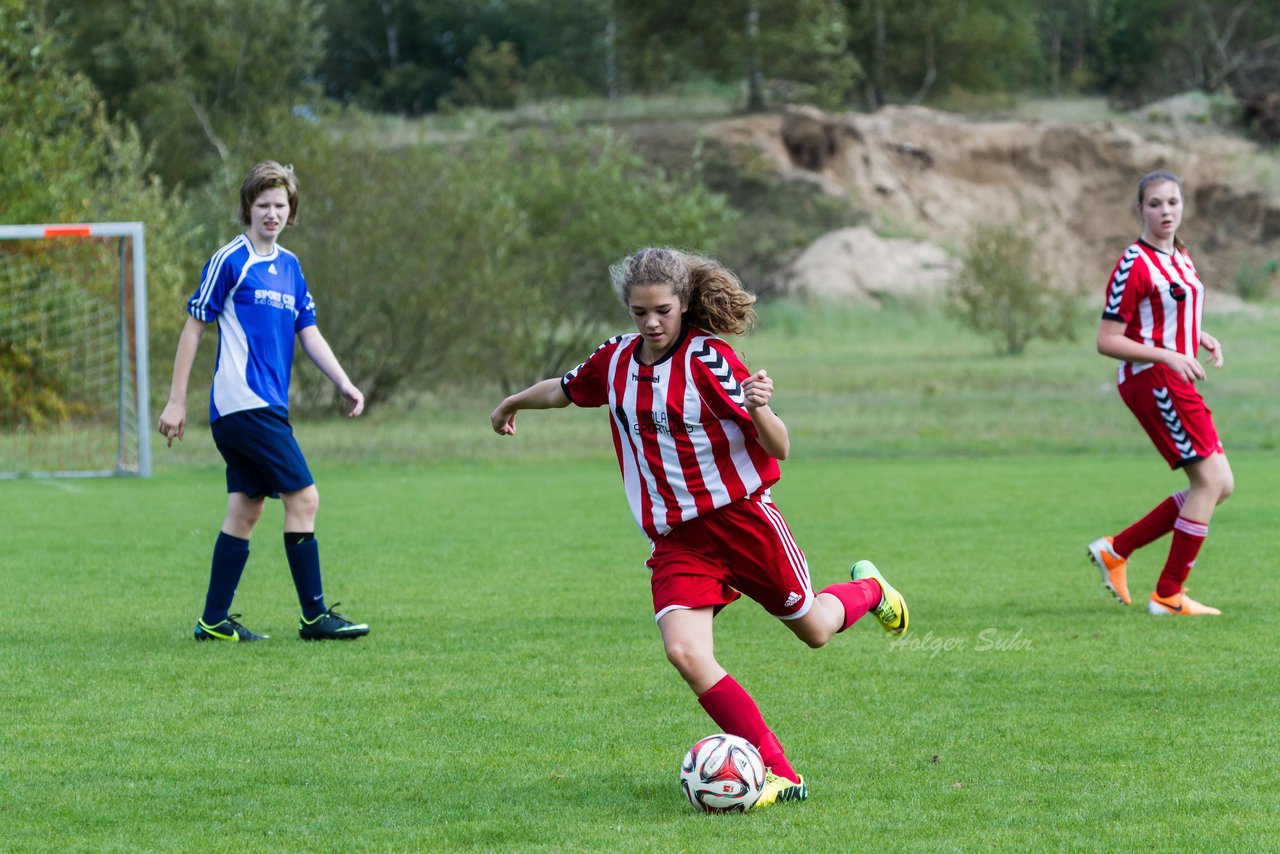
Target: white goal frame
{"points": [[131, 235]]}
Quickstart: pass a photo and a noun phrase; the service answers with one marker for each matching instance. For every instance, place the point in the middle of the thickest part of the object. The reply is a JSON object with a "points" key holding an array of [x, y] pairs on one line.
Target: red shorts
{"points": [[743, 547], [1174, 415]]}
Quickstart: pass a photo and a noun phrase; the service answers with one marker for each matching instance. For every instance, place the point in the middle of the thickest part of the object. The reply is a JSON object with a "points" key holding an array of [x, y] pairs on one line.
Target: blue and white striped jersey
{"points": [[260, 303]]}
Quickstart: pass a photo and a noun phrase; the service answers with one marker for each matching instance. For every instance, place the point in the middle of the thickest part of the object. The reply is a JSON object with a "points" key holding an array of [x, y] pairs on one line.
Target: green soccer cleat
{"points": [[227, 630], [892, 610], [331, 626], [779, 790]]}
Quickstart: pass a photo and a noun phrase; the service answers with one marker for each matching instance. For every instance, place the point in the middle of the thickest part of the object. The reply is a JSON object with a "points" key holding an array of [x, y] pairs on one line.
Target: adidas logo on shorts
{"points": [[792, 598]]}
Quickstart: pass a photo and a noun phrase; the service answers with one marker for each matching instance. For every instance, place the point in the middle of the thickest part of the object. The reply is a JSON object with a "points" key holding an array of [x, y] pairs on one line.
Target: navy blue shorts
{"points": [[262, 456]]}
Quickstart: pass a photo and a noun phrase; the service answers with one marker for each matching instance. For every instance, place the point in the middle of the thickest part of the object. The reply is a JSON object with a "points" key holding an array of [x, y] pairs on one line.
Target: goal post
{"points": [[73, 351]]}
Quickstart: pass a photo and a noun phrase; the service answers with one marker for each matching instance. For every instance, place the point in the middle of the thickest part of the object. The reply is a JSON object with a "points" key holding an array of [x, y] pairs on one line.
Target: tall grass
{"points": [[903, 381]]}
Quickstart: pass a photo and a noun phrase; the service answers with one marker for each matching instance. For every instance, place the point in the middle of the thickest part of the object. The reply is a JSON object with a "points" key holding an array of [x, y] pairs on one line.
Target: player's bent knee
{"points": [[688, 660]]}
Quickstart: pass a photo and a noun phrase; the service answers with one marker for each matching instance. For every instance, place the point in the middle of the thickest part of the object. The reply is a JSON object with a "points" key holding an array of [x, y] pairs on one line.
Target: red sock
{"points": [[1150, 527], [858, 597], [1188, 536], [733, 710]]}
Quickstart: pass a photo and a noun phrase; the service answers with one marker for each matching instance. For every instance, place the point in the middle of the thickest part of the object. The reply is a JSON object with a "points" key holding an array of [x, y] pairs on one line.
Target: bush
{"points": [[998, 295], [480, 265], [1254, 281]]}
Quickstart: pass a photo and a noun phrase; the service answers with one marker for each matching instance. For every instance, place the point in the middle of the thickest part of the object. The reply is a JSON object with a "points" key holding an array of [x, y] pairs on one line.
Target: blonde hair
{"points": [[263, 177], [713, 297]]}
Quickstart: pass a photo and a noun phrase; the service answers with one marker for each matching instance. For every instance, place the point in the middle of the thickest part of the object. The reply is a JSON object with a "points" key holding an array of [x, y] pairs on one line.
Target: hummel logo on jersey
{"points": [[641, 378], [792, 598]]}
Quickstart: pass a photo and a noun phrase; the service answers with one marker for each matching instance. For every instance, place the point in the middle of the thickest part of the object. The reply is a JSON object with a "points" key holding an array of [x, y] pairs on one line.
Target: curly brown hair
{"points": [[714, 298]]}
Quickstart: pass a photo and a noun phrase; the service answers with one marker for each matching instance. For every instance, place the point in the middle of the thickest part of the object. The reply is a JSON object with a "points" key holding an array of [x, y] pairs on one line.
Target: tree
{"points": [[491, 258], [668, 42], [200, 79], [920, 47], [1158, 48], [67, 161], [404, 56]]}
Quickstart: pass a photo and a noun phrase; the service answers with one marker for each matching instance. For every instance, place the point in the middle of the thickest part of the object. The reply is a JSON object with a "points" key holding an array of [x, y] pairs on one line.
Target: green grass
{"points": [[513, 695]]}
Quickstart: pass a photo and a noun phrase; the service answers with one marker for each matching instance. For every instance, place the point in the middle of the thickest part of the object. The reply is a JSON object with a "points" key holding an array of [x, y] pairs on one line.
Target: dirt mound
{"points": [[859, 265], [935, 175]]}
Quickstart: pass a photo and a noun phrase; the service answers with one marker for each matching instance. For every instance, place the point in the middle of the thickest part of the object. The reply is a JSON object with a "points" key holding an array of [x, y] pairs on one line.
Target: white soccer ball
{"points": [[722, 773]]}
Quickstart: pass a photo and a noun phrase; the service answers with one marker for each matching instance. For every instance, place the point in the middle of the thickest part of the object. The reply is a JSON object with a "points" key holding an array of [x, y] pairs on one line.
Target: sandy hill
{"points": [[933, 176]]}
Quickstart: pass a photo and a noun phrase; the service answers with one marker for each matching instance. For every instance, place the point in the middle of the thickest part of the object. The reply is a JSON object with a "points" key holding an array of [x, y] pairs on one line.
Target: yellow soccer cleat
{"points": [[1114, 569], [892, 610], [779, 790], [1180, 605]]}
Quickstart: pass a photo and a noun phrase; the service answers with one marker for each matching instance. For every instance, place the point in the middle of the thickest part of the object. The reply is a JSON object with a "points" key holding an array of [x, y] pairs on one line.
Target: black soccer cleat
{"points": [[331, 626], [227, 630]]}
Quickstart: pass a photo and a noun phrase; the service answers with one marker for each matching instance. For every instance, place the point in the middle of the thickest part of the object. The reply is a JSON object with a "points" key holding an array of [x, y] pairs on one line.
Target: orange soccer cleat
{"points": [[1179, 604], [1114, 569]]}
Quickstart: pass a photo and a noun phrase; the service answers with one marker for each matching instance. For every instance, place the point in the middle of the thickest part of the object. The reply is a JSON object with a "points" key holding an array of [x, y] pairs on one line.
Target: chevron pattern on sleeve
{"points": [[721, 370], [1115, 291], [573, 373]]}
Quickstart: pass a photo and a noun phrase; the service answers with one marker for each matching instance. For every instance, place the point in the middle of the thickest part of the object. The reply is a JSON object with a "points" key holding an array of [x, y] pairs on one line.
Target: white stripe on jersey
{"points": [[701, 443], [636, 476], [1195, 295], [701, 349], [231, 391], [214, 272]]}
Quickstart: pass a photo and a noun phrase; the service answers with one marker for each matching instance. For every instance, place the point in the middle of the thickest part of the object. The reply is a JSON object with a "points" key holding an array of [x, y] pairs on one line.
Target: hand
{"points": [[1187, 367], [1214, 348], [355, 397], [757, 389], [173, 421], [503, 420]]}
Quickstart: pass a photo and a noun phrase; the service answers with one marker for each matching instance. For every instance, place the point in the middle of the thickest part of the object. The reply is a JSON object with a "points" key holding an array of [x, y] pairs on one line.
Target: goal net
{"points": [[73, 351]]}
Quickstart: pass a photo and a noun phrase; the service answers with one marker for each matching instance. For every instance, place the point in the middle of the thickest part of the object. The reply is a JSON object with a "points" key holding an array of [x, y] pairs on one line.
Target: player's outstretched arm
{"points": [[547, 394], [173, 420], [319, 351]]}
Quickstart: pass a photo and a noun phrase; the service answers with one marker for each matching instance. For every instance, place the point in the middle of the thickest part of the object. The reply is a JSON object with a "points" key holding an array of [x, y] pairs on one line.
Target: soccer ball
{"points": [[722, 773]]}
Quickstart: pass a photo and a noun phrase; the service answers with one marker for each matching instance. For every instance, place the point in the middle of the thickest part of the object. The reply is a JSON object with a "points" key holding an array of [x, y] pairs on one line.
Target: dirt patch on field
{"points": [[933, 176]]}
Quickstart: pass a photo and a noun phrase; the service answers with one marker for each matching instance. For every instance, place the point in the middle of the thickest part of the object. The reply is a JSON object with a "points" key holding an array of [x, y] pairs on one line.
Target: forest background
{"points": [[466, 170]]}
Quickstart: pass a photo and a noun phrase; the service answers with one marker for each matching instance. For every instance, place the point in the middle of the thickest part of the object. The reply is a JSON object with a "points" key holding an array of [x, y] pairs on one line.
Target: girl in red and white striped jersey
{"points": [[1151, 323], [698, 446]]}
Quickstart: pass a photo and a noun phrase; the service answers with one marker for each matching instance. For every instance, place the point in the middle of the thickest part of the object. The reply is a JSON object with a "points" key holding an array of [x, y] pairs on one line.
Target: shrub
{"points": [[1254, 281], [999, 295], [482, 264]]}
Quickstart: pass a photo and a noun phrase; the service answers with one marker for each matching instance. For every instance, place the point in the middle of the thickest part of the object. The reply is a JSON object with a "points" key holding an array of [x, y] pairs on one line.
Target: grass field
{"points": [[513, 695]]}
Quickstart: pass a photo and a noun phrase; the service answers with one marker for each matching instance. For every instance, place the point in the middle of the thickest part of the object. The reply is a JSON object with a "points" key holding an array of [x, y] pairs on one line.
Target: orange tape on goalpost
{"points": [[67, 231]]}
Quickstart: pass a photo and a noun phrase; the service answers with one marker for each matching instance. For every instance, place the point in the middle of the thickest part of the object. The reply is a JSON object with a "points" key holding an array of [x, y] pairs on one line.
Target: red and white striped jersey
{"points": [[684, 440], [1159, 298]]}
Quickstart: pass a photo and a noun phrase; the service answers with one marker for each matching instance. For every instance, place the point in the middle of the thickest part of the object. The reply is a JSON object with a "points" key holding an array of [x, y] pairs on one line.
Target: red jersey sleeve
{"points": [[1129, 284], [588, 384], [719, 374]]}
